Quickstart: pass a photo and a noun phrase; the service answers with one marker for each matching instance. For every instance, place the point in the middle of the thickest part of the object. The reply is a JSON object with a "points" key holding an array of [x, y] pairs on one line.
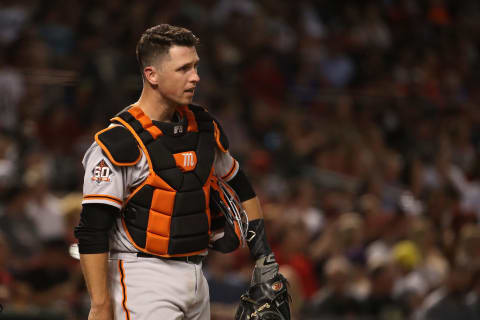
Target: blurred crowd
{"points": [[358, 123]]}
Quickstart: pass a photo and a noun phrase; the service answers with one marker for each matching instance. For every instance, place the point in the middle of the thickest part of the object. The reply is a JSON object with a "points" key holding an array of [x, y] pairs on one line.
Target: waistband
{"points": [[196, 259]]}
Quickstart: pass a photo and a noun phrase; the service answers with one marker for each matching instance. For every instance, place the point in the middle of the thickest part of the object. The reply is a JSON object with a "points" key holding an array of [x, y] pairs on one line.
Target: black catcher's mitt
{"points": [[265, 301]]}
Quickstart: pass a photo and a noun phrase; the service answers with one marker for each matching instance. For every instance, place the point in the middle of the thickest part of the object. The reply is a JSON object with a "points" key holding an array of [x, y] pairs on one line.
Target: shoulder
{"points": [[119, 145]]}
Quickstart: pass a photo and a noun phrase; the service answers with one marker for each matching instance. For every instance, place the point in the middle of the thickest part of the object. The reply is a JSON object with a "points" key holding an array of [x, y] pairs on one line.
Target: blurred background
{"points": [[357, 121]]}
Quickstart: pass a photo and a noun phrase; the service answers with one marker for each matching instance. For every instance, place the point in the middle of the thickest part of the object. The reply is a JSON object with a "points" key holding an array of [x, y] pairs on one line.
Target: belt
{"points": [[188, 259]]}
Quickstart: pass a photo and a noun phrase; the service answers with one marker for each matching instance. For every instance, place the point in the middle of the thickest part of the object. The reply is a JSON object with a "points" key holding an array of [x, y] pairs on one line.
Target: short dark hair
{"points": [[157, 40]]}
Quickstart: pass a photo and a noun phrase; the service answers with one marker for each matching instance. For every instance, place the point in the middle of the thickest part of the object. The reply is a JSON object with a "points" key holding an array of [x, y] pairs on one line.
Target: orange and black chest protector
{"points": [[168, 214]]}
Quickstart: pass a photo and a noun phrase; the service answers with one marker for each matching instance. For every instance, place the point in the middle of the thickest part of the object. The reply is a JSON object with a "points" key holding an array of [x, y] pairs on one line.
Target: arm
{"points": [[104, 188], [95, 272], [253, 208], [229, 170], [266, 267], [92, 233], [268, 295]]}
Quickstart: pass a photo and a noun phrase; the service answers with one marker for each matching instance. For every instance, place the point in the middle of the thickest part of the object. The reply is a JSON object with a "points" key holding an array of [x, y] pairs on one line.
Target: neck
{"points": [[155, 106]]}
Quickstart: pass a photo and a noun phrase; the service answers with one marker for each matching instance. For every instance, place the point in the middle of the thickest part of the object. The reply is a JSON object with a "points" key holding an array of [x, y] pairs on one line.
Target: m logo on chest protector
{"points": [[186, 161]]}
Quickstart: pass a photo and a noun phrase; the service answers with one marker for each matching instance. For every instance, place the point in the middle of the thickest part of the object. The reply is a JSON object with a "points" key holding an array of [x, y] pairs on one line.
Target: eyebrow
{"points": [[188, 64]]}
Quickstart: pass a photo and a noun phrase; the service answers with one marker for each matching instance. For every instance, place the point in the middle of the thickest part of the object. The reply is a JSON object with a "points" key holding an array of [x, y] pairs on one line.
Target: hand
{"points": [[266, 268], [101, 312], [265, 301]]}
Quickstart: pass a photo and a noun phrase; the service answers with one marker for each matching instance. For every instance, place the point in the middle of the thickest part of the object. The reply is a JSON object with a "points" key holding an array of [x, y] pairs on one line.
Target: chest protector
{"points": [[168, 214]]}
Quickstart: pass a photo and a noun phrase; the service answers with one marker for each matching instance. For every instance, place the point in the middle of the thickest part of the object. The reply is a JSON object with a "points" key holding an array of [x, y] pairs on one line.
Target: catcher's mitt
{"points": [[265, 301]]}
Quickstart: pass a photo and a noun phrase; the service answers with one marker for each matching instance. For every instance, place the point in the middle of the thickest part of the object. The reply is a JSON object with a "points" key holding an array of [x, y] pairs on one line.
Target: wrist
{"points": [[266, 268], [257, 240], [101, 303], [265, 260]]}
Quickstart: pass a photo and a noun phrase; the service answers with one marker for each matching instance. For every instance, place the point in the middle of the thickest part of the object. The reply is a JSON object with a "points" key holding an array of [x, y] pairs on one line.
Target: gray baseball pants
{"points": [[150, 288]]}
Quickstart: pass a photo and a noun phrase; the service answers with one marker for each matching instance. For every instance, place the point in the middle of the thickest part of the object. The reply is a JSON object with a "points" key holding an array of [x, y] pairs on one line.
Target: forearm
{"points": [[256, 237], [266, 267], [95, 272], [253, 209]]}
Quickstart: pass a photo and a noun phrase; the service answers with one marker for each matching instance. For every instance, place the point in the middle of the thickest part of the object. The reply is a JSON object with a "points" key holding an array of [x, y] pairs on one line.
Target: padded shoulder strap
{"points": [[202, 114], [119, 145], [220, 136]]}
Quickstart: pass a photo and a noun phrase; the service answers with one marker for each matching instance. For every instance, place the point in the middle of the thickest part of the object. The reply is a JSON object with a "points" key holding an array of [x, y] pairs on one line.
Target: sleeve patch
{"points": [[102, 173]]}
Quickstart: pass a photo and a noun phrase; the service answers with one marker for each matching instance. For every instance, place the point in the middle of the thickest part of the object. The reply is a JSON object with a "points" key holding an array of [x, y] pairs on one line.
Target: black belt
{"points": [[189, 259]]}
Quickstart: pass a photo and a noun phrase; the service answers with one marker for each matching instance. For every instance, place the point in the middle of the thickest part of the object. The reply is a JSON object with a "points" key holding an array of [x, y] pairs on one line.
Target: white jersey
{"points": [[109, 184]]}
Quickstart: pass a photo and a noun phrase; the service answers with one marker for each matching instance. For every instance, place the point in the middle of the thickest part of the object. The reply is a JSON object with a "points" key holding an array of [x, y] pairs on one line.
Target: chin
{"points": [[187, 101], [181, 102]]}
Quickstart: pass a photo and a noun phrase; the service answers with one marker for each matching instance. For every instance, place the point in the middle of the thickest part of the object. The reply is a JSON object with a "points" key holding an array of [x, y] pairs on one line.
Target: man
{"points": [[146, 220]]}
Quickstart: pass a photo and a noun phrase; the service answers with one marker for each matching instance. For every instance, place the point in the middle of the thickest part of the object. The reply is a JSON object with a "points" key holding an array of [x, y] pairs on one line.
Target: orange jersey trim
{"points": [[109, 155], [102, 197], [124, 289]]}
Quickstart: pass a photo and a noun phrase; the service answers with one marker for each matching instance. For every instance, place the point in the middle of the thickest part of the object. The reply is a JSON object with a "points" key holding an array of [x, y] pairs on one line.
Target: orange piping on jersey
{"points": [[231, 172], [192, 123], [145, 121], [102, 197], [217, 137], [124, 289], [109, 155]]}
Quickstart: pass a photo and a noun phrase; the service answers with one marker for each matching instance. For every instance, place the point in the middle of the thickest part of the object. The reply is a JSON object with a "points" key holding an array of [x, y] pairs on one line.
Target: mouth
{"points": [[191, 90]]}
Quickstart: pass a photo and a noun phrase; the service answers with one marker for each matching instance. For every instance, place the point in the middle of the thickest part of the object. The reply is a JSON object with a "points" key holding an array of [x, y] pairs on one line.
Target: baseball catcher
{"points": [[153, 205]]}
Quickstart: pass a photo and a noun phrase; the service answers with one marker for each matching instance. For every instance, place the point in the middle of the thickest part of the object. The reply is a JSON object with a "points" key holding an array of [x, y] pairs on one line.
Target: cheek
{"points": [[171, 86]]}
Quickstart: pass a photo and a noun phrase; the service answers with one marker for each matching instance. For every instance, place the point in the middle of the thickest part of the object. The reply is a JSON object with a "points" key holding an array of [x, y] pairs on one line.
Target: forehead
{"points": [[180, 55]]}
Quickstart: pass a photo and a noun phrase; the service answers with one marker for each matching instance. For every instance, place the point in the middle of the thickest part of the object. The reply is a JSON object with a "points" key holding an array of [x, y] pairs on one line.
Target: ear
{"points": [[151, 75]]}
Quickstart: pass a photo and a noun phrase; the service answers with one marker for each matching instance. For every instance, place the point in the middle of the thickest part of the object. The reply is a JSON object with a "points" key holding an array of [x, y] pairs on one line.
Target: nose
{"points": [[195, 77]]}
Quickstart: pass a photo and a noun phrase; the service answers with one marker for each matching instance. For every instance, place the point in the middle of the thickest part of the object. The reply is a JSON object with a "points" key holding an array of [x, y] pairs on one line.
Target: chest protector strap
{"points": [[168, 214]]}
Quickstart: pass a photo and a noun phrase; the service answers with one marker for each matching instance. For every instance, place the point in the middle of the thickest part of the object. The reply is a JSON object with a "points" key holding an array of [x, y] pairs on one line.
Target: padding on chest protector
{"points": [[119, 145]]}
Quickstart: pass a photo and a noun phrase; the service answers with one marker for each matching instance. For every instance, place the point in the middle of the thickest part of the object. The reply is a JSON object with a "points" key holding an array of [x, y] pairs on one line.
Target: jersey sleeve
{"points": [[226, 167], [103, 182]]}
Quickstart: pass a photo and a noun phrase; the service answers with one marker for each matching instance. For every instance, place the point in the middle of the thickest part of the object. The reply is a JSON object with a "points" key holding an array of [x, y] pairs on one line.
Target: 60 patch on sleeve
{"points": [[102, 172]]}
